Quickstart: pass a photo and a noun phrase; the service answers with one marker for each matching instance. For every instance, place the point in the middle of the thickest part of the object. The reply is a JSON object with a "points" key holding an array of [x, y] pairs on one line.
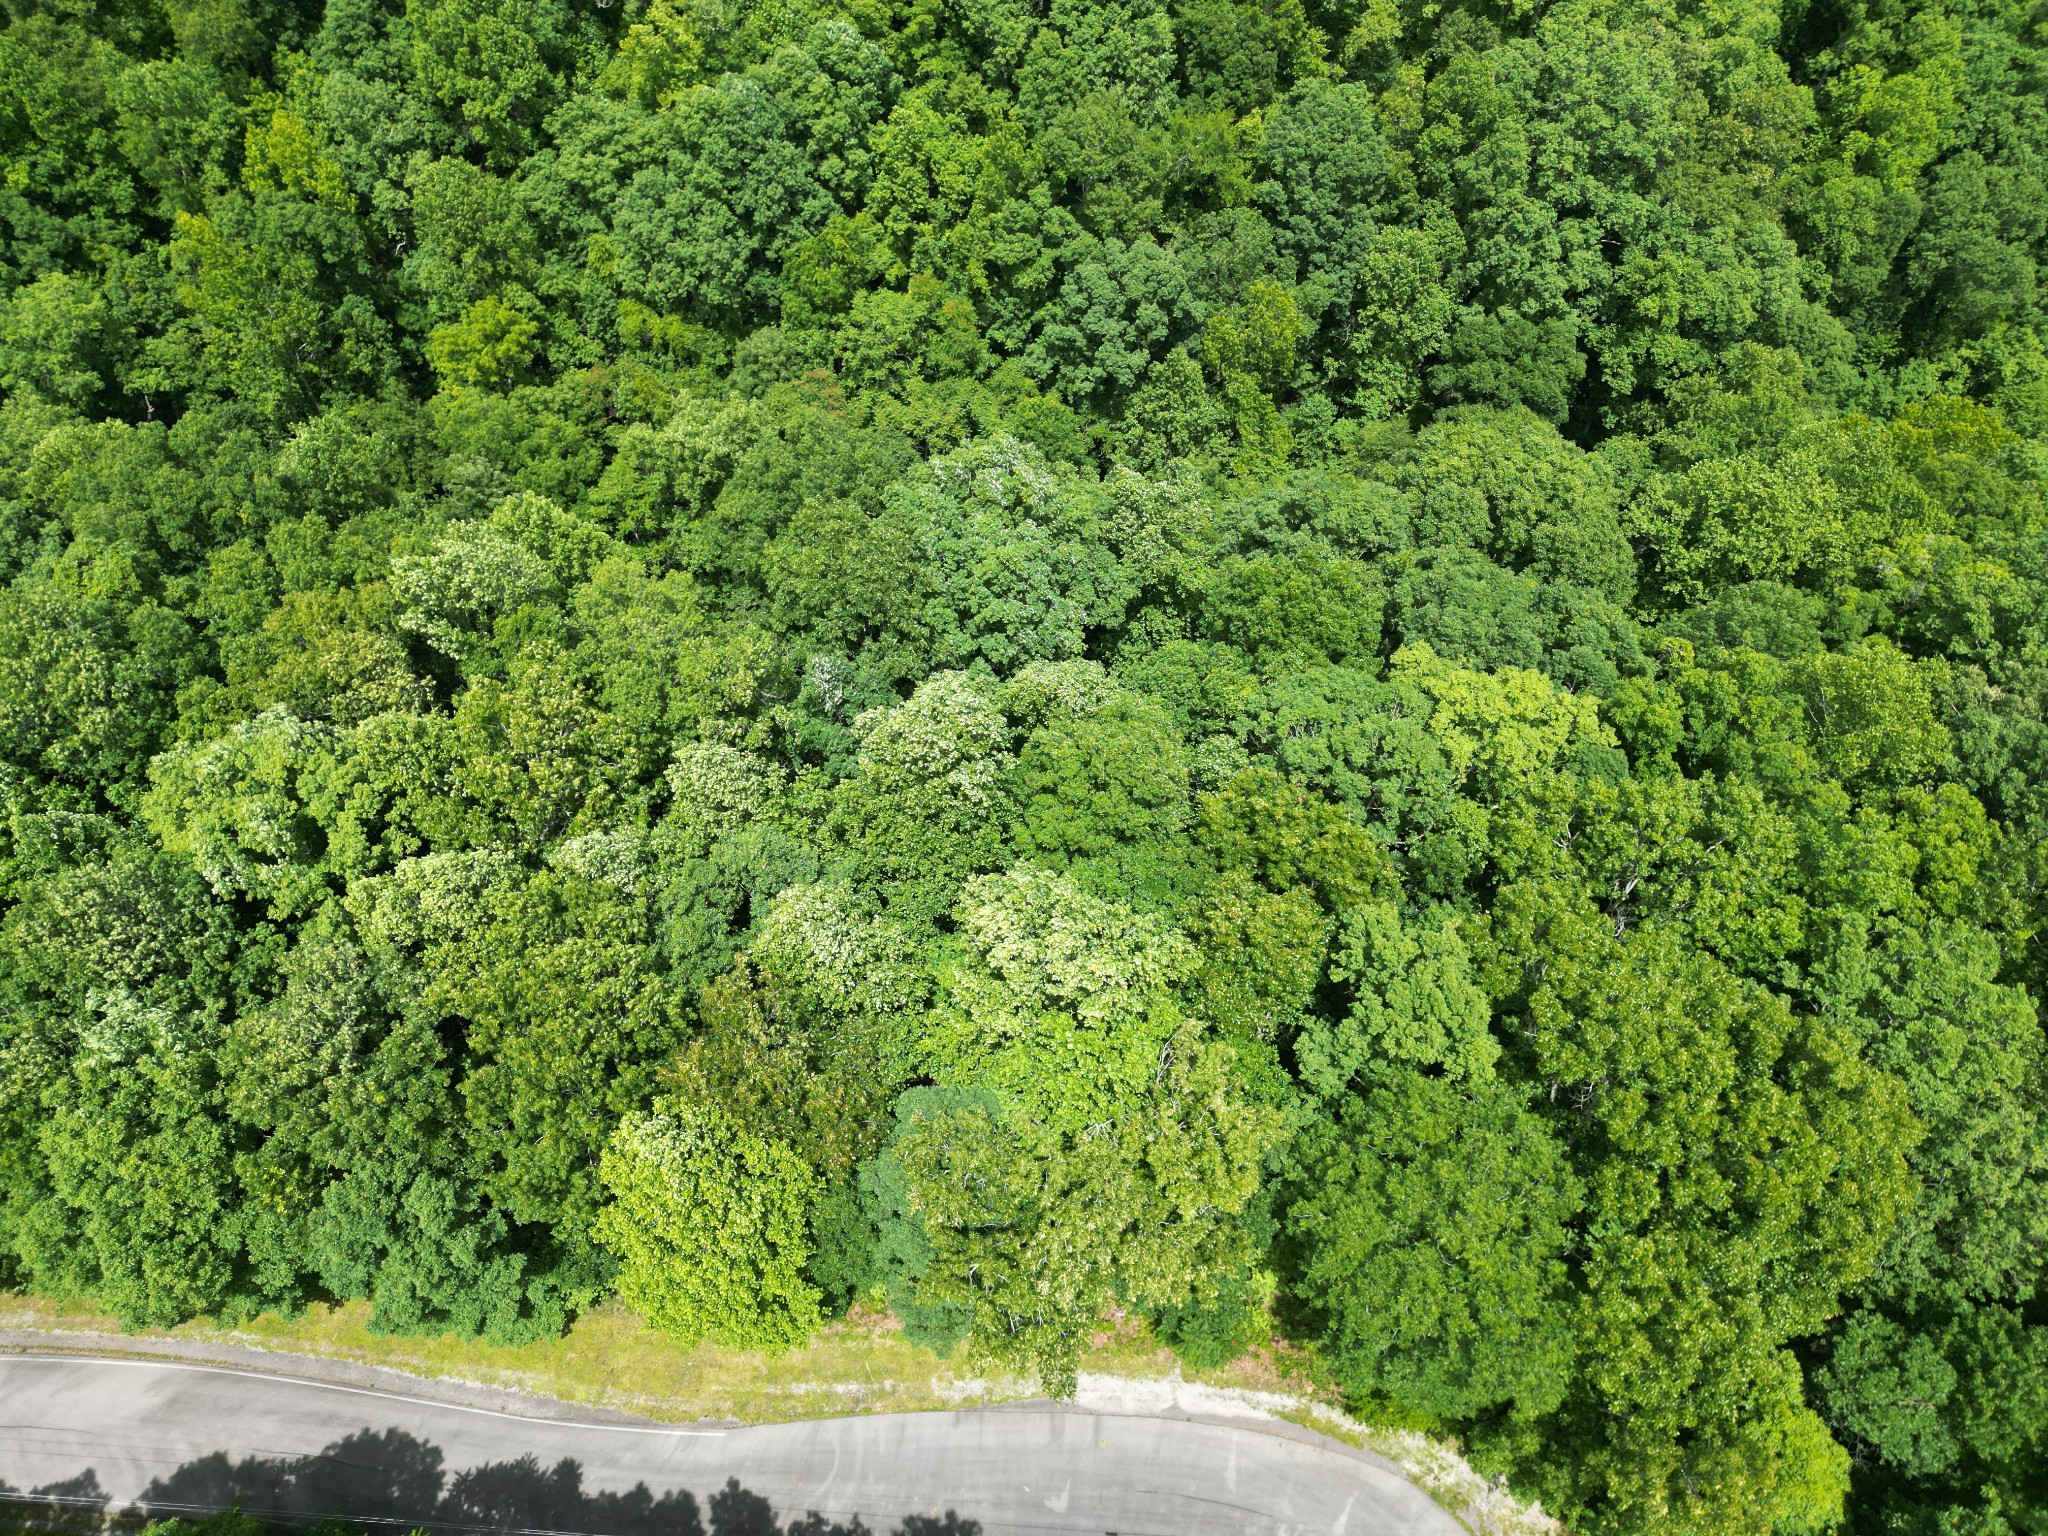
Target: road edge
{"points": [[1469, 1507], [456, 1392], [327, 1370]]}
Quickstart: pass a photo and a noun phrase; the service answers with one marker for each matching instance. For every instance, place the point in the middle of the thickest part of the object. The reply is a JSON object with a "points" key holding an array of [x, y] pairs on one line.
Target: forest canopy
{"points": [[1355, 667]]}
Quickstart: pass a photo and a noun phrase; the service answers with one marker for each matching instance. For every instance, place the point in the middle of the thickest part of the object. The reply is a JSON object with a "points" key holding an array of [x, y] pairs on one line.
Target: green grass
{"points": [[612, 1359]]}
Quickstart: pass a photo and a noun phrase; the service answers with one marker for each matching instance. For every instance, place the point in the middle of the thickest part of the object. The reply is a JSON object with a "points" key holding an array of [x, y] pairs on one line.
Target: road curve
{"points": [[178, 1438]]}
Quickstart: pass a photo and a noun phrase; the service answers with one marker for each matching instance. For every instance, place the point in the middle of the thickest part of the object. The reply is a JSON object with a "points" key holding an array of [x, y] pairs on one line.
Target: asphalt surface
{"points": [[174, 1438]]}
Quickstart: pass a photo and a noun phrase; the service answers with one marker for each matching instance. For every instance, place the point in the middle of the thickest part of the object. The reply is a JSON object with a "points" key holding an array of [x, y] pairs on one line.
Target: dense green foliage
{"points": [[1378, 664]]}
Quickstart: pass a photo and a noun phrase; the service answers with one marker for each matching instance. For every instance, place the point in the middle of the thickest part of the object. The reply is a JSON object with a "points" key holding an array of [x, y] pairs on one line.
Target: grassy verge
{"points": [[611, 1358]]}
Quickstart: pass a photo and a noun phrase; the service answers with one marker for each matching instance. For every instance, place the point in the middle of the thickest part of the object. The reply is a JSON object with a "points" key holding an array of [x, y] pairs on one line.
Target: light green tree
{"points": [[710, 1225]]}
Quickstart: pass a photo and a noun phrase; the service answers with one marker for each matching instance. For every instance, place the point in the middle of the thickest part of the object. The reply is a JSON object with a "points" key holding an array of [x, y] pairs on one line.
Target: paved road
{"points": [[179, 1437]]}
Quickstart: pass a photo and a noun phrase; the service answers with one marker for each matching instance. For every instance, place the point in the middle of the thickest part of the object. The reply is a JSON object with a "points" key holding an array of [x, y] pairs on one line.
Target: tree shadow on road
{"points": [[390, 1479]]}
